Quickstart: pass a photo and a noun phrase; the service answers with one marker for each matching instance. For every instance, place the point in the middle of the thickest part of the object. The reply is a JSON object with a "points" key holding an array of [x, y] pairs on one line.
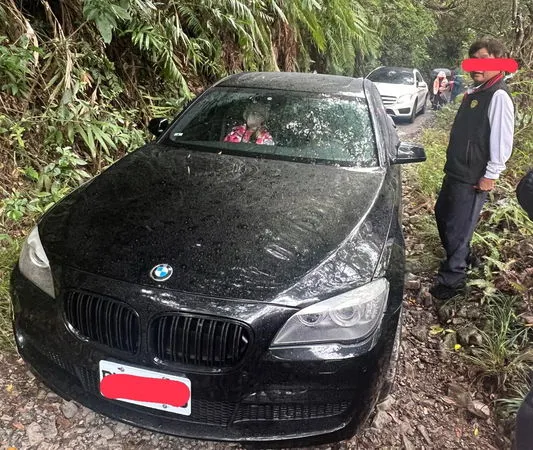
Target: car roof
{"points": [[442, 69], [395, 68], [296, 81]]}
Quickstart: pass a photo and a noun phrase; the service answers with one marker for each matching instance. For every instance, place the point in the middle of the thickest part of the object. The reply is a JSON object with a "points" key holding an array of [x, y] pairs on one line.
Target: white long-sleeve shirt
{"points": [[501, 119]]}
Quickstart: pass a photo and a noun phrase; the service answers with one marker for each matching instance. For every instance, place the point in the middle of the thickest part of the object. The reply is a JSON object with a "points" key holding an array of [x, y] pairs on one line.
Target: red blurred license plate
{"points": [[144, 387]]}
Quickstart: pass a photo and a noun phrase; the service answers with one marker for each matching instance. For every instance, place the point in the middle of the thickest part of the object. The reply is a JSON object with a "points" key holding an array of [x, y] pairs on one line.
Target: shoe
{"points": [[443, 292]]}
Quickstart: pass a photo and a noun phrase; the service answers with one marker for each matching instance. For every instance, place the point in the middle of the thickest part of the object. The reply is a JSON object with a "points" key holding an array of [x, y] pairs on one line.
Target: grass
{"points": [[9, 251], [429, 254], [435, 142], [509, 406], [505, 356], [430, 173]]}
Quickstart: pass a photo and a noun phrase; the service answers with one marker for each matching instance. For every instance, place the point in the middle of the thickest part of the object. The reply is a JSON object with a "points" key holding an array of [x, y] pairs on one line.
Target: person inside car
{"points": [[253, 130]]}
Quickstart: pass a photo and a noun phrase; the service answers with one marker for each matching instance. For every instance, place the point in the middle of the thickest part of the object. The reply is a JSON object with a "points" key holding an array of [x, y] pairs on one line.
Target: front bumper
{"points": [[400, 110], [267, 397]]}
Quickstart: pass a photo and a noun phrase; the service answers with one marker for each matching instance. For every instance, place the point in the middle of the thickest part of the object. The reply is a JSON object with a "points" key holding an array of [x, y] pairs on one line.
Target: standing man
{"points": [[481, 140]]}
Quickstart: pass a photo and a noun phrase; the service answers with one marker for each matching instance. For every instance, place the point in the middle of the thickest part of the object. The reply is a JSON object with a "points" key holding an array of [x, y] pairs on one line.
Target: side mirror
{"points": [[157, 126], [422, 84], [409, 153]]}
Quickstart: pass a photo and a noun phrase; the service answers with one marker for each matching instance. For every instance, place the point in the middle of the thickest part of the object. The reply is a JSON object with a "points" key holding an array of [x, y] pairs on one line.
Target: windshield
{"points": [[296, 126], [390, 75]]}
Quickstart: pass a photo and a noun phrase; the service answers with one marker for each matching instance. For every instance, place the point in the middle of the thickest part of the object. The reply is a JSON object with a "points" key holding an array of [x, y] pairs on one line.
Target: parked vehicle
{"points": [[403, 91], [229, 291]]}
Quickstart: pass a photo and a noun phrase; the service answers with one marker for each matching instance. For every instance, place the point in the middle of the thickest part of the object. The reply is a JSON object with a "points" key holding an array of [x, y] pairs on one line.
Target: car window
{"points": [[305, 127], [418, 76], [391, 75]]}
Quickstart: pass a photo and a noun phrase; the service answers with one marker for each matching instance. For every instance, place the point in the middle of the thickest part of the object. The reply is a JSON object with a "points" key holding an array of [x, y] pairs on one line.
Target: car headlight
{"points": [[34, 264], [406, 98], [348, 317]]}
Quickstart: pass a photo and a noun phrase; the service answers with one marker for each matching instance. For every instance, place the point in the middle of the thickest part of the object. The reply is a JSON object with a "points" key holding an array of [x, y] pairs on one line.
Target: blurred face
{"points": [[481, 77], [254, 120]]}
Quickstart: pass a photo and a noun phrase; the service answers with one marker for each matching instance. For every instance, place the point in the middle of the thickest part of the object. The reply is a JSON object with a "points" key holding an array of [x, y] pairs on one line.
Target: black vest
{"points": [[468, 151]]}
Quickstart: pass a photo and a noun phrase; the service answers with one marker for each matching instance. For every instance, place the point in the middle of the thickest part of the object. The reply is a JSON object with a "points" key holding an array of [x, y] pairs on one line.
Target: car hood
{"points": [[395, 90], [230, 226]]}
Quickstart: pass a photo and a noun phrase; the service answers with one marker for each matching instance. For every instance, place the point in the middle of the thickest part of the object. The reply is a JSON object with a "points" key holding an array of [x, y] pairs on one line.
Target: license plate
{"points": [[145, 387]]}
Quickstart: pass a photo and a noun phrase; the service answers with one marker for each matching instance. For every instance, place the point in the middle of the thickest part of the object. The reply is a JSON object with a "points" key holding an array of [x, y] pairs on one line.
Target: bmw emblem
{"points": [[161, 272]]}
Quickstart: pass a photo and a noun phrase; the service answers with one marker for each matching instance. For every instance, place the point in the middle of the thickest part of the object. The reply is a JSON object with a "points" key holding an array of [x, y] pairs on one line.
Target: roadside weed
{"points": [[427, 252], [9, 250], [504, 355], [430, 173], [509, 406]]}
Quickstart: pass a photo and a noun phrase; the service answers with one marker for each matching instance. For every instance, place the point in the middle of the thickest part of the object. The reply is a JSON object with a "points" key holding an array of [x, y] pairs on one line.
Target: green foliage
{"points": [[448, 46], [106, 14], [15, 66], [509, 406], [101, 130], [430, 173], [503, 226], [170, 107], [435, 142], [50, 185], [205, 35], [458, 27], [506, 215], [56, 180], [342, 30], [427, 255], [9, 250], [522, 85], [504, 356], [15, 207], [406, 25]]}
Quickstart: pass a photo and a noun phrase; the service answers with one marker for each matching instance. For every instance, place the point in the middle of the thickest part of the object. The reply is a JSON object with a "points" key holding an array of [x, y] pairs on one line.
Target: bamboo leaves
{"points": [[106, 15]]}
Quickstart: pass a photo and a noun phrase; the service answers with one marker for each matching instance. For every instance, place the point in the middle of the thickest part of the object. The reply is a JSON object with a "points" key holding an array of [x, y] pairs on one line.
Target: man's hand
{"points": [[485, 184]]}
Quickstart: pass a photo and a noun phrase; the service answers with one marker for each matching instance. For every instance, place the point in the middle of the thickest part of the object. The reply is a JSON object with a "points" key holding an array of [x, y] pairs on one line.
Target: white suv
{"points": [[403, 91]]}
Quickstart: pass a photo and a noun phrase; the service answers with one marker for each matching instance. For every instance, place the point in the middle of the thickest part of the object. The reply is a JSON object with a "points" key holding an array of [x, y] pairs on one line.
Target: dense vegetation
{"points": [[80, 79]]}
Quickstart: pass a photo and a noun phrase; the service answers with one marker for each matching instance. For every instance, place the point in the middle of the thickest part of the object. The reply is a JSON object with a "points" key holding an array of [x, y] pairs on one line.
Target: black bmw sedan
{"points": [[240, 278]]}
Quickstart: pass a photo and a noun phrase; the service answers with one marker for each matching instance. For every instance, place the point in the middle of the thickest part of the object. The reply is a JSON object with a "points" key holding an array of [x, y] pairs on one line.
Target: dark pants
{"points": [[457, 212], [524, 424]]}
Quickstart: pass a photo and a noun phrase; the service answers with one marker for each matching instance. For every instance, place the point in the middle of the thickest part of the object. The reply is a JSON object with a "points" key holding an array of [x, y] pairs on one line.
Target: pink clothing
{"points": [[440, 84], [243, 134]]}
